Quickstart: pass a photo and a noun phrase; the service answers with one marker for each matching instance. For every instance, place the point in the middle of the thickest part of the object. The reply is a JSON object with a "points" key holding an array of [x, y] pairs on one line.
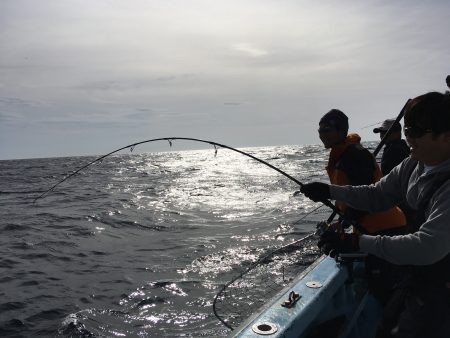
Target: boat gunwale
{"points": [[276, 298]]}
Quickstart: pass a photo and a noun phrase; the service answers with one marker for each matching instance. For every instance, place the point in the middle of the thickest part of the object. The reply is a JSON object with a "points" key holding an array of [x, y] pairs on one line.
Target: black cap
{"points": [[387, 124], [335, 118]]}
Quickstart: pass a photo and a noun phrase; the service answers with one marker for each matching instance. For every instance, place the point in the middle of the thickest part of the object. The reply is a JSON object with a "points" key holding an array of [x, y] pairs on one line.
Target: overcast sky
{"points": [[81, 77]]}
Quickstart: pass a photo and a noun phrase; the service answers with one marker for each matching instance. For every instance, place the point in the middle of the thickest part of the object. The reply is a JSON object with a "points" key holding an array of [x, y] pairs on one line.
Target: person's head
{"points": [[427, 127], [447, 79], [395, 133], [333, 128]]}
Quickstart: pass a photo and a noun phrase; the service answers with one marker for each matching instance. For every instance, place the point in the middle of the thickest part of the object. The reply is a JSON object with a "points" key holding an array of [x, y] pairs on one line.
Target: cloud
{"points": [[18, 103], [15, 110], [204, 67], [137, 83], [249, 50]]}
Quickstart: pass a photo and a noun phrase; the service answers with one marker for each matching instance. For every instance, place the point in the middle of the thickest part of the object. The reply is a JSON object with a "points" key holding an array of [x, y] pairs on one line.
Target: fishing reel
{"points": [[321, 227], [339, 226]]}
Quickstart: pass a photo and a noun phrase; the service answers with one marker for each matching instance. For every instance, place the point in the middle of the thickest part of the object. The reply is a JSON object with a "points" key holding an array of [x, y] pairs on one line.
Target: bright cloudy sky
{"points": [[81, 77]]}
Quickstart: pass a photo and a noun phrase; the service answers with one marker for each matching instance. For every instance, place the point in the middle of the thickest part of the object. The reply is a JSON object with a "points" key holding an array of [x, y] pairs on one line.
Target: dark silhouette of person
{"points": [[396, 149]]}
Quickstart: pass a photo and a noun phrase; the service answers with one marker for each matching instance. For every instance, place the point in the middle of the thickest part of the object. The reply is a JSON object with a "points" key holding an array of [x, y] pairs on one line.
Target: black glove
{"points": [[316, 191], [332, 243]]}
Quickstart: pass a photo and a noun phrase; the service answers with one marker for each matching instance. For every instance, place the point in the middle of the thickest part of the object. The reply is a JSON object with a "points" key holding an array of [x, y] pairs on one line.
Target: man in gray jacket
{"points": [[423, 182]]}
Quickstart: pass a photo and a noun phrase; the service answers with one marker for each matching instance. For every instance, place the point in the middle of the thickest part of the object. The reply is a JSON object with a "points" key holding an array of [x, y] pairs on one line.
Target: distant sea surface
{"points": [[140, 244]]}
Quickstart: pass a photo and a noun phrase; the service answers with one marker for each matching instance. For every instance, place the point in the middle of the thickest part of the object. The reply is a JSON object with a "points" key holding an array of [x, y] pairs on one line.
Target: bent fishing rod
{"points": [[215, 144], [169, 139]]}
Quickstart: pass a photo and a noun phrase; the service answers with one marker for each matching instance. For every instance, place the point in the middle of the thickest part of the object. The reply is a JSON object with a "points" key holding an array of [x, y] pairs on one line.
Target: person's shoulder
{"points": [[357, 152], [395, 142], [397, 145], [401, 142], [357, 148], [406, 168], [405, 145]]}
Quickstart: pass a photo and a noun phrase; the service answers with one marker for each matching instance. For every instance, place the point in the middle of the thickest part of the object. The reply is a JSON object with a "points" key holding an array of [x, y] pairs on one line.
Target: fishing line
{"points": [[371, 125], [297, 222], [263, 259]]}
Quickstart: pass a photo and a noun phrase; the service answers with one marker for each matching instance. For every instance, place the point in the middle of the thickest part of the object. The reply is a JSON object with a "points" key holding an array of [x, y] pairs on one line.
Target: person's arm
{"points": [[385, 194], [426, 246]]}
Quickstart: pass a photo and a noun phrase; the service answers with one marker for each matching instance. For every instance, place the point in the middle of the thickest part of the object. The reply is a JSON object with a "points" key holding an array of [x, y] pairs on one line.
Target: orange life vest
{"points": [[372, 222]]}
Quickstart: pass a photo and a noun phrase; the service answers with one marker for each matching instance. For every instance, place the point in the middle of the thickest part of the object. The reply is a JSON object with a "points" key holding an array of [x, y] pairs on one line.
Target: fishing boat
{"points": [[328, 299]]}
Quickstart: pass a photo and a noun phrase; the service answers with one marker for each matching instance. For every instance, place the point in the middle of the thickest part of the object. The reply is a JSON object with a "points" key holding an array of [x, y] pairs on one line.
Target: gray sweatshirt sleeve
{"points": [[426, 246], [385, 194]]}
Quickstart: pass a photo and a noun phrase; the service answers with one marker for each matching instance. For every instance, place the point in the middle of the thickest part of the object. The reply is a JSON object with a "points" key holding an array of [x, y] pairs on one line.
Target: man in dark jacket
{"points": [[396, 149]]}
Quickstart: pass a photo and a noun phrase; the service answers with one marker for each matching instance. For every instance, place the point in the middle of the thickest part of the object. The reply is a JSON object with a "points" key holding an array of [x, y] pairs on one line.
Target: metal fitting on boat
{"points": [[264, 328], [292, 299], [314, 284]]}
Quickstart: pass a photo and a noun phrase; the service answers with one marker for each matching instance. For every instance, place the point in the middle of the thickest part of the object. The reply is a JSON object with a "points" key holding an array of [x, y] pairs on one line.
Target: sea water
{"points": [[139, 244]]}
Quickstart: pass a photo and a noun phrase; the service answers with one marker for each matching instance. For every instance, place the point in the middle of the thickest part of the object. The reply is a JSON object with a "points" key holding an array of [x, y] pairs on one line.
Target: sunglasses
{"points": [[325, 130], [415, 132]]}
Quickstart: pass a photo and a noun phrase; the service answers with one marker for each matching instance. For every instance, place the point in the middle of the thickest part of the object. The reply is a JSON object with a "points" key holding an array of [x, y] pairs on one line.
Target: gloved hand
{"points": [[316, 191], [332, 243], [335, 226]]}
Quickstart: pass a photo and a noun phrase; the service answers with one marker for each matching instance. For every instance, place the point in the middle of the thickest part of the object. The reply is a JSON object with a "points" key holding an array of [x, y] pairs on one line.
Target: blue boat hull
{"points": [[333, 302]]}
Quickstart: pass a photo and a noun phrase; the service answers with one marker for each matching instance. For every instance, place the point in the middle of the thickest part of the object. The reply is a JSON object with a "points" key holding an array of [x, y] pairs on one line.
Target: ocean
{"points": [[140, 244]]}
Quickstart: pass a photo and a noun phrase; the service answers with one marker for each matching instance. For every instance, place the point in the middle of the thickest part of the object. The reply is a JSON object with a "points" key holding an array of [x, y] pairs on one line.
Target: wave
{"points": [[21, 192]]}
